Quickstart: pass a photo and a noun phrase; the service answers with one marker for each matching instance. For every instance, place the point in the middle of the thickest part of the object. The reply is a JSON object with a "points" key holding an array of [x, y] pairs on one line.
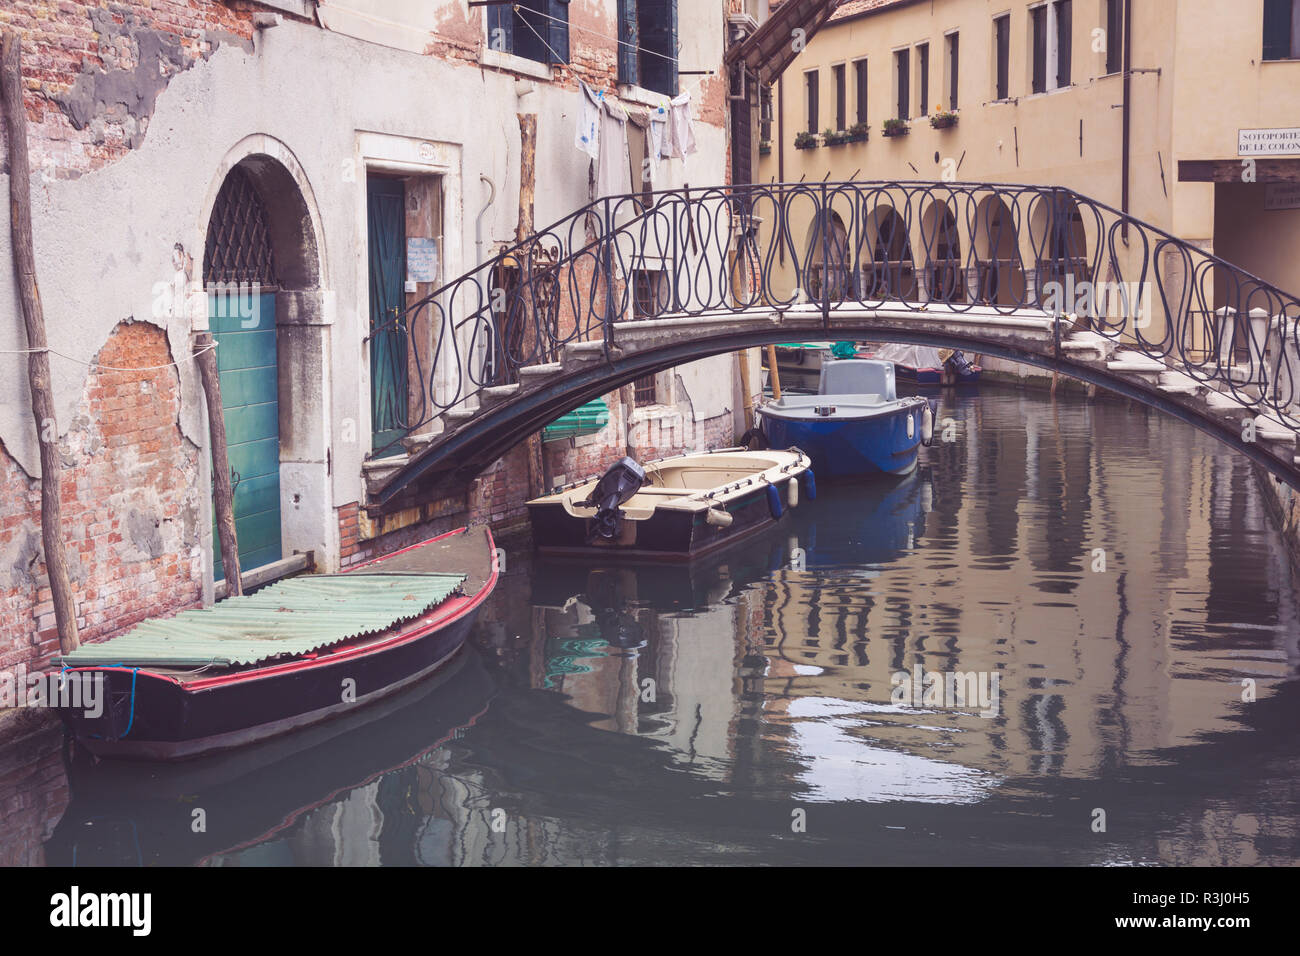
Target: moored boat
{"points": [[292, 654], [925, 365], [673, 509], [856, 425]]}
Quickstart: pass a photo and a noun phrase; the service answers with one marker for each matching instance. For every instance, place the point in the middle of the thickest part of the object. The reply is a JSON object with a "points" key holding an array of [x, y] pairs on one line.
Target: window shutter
{"points": [[628, 43], [657, 25], [1063, 33], [861, 69], [1038, 17], [812, 102], [1004, 52], [501, 28], [557, 31]]}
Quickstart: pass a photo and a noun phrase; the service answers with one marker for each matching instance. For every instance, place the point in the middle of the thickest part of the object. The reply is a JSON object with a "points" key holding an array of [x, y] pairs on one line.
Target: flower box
{"points": [[806, 141], [943, 120], [895, 128]]}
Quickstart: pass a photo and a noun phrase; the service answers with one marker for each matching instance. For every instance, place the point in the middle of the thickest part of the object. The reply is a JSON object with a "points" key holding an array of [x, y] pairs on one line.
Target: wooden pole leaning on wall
{"points": [[38, 360], [537, 479], [205, 357]]}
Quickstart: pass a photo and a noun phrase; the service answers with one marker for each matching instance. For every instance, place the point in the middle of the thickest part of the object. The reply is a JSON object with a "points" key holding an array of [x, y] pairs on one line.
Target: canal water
{"points": [[1069, 638]]}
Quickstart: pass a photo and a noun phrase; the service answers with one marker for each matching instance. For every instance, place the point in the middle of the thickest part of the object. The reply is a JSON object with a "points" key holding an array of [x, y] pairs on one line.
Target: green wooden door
{"points": [[250, 399], [388, 385]]}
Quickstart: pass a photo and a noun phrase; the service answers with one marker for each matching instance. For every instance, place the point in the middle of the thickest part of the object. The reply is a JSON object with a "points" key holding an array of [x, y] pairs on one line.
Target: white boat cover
{"points": [[913, 356]]}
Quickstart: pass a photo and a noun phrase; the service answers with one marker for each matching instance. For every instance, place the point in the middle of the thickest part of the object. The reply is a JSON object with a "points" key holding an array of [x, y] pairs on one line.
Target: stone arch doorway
{"points": [[266, 309]]}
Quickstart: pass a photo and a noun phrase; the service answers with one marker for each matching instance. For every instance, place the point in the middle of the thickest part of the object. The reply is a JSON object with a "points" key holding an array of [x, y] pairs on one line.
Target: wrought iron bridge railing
{"points": [[1004, 248]]}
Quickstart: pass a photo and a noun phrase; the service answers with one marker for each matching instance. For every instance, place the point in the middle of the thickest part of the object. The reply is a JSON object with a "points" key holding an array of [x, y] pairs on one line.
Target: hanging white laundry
{"points": [[681, 128], [658, 136], [587, 137], [612, 175]]}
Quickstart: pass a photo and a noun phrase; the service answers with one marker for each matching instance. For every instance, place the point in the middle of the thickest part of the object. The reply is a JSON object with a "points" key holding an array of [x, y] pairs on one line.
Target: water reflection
{"points": [[1113, 568]]}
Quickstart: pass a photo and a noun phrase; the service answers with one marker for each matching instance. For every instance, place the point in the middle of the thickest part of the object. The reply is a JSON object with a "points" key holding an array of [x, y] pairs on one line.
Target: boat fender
{"points": [[927, 425], [719, 517], [810, 485], [911, 426], [774, 501], [792, 493]]}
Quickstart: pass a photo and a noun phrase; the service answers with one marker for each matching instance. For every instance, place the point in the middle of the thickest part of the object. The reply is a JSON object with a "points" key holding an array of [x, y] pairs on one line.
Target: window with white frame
{"points": [[1049, 42]]}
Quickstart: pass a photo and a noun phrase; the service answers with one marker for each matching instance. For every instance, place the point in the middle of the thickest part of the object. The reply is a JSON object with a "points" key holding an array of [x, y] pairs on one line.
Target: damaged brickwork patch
{"points": [[137, 63], [131, 506]]}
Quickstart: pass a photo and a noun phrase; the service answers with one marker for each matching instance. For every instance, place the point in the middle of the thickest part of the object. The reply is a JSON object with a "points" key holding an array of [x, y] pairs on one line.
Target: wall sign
{"points": [[422, 260], [1282, 196], [1282, 141]]}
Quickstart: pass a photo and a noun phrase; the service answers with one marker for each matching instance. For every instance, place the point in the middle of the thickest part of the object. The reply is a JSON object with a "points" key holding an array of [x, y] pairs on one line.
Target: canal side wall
{"points": [[1284, 506]]}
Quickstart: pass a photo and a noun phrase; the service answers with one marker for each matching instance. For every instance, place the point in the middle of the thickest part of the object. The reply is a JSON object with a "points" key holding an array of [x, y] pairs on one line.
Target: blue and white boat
{"points": [[856, 425]]}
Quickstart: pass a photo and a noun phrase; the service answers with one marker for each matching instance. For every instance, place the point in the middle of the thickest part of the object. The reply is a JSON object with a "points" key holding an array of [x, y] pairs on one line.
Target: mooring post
{"points": [[205, 357], [38, 357]]}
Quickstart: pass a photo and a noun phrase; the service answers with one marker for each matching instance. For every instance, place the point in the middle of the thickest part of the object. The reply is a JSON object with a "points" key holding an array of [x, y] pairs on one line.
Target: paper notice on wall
{"points": [[1282, 196], [422, 260]]}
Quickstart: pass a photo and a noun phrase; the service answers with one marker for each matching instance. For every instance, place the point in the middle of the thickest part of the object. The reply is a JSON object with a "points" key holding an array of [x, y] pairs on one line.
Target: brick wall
{"points": [[73, 51], [131, 507]]}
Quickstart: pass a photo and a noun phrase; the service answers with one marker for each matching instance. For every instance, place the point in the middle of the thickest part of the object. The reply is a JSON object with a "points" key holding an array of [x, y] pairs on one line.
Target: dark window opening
{"points": [[1114, 35], [537, 30], [1281, 29], [647, 49], [810, 83], [902, 65], [953, 54], [765, 115], [923, 84], [860, 79], [1063, 35], [1002, 50], [841, 98], [1038, 25]]}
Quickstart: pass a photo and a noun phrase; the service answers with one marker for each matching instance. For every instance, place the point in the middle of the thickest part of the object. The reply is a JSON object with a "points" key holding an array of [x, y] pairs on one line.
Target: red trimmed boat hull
{"points": [[157, 716]]}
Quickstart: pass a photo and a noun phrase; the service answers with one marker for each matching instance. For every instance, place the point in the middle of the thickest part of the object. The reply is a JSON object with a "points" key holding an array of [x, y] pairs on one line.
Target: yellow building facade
{"points": [[1189, 126]]}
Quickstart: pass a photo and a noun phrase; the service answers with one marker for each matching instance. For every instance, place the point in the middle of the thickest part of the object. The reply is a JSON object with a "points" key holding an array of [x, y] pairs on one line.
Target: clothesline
{"points": [[109, 368], [561, 59], [596, 33]]}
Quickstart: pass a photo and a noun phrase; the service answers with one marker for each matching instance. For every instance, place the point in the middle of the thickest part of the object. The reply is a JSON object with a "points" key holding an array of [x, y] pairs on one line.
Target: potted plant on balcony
{"points": [[765, 147], [894, 127], [805, 140], [941, 119], [858, 133], [834, 137]]}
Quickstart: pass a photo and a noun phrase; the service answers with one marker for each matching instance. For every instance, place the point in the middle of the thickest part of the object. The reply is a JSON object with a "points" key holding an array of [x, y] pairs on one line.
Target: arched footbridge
{"points": [[631, 285]]}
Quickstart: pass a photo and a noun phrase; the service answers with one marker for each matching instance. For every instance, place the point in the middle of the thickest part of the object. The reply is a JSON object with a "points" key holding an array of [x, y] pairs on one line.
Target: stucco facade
{"points": [[136, 126], [1196, 77]]}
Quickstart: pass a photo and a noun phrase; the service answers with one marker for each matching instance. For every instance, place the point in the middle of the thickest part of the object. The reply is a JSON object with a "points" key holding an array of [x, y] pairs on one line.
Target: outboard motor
{"points": [[615, 487], [959, 364]]}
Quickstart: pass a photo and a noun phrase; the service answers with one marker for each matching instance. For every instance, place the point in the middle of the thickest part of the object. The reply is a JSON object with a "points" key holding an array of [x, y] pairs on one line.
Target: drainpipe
{"points": [[478, 258], [1128, 115]]}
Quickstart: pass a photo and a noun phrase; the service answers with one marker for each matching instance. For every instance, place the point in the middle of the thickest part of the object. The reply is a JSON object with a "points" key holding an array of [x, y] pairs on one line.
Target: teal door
{"points": [[250, 400], [386, 215]]}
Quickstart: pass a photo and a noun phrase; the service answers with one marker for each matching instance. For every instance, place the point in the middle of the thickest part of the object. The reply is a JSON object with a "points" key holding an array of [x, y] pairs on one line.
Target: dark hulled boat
{"points": [[296, 653], [674, 509]]}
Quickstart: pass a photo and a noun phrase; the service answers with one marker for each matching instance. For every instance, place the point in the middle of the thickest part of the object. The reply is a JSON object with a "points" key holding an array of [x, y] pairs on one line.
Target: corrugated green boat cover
{"points": [[291, 618], [583, 420]]}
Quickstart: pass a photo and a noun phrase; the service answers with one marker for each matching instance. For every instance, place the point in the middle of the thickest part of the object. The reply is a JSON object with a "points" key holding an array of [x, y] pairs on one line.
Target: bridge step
{"points": [[377, 473], [530, 372], [496, 394], [415, 443], [1089, 345]]}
